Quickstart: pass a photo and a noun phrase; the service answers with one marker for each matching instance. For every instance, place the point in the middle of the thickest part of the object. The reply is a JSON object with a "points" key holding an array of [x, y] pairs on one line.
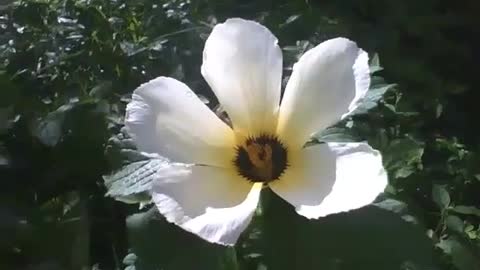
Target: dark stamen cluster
{"points": [[261, 159]]}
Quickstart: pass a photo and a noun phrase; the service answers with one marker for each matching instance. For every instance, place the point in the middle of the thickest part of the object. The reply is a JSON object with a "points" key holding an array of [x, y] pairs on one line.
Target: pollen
{"points": [[261, 159]]}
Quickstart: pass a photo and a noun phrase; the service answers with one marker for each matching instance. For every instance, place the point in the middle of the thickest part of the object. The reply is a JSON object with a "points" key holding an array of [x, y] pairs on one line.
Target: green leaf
{"points": [[440, 196], [372, 97], [370, 237], [455, 224], [162, 245], [4, 156], [122, 151], [10, 93], [462, 255], [49, 129], [466, 210], [403, 157], [399, 208], [337, 134], [130, 259], [375, 64], [132, 182], [290, 20], [7, 119], [101, 90]]}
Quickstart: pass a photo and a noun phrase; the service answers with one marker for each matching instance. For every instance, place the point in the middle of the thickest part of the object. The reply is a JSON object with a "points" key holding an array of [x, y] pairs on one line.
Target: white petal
{"points": [[332, 178], [326, 84], [210, 202], [167, 118], [242, 63]]}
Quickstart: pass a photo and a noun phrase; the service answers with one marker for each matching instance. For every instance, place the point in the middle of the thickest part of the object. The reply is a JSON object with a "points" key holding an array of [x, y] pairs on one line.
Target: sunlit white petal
{"points": [[326, 84], [166, 117], [242, 63], [332, 178], [210, 202]]}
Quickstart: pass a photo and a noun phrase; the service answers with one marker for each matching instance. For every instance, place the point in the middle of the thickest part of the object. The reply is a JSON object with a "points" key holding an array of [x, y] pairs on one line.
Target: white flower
{"points": [[216, 195]]}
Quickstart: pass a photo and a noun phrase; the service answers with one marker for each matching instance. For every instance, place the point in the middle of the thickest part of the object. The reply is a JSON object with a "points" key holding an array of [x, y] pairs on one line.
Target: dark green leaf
{"points": [[162, 245], [10, 93], [399, 208], [467, 210], [371, 237], [49, 129], [460, 252], [101, 90], [440, 196], [403, 157], [455, 224]]}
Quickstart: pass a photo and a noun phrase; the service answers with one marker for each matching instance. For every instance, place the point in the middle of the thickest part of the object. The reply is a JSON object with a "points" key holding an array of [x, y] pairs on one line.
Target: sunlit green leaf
{"points": [[133, 181]]}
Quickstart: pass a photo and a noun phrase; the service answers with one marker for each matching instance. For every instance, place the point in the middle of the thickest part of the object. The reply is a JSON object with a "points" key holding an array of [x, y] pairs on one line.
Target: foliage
{"points": [[67, 68]]}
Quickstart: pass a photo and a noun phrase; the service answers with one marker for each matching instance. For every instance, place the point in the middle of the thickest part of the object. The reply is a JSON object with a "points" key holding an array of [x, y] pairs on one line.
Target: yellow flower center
{"points": [[261, 159]]}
